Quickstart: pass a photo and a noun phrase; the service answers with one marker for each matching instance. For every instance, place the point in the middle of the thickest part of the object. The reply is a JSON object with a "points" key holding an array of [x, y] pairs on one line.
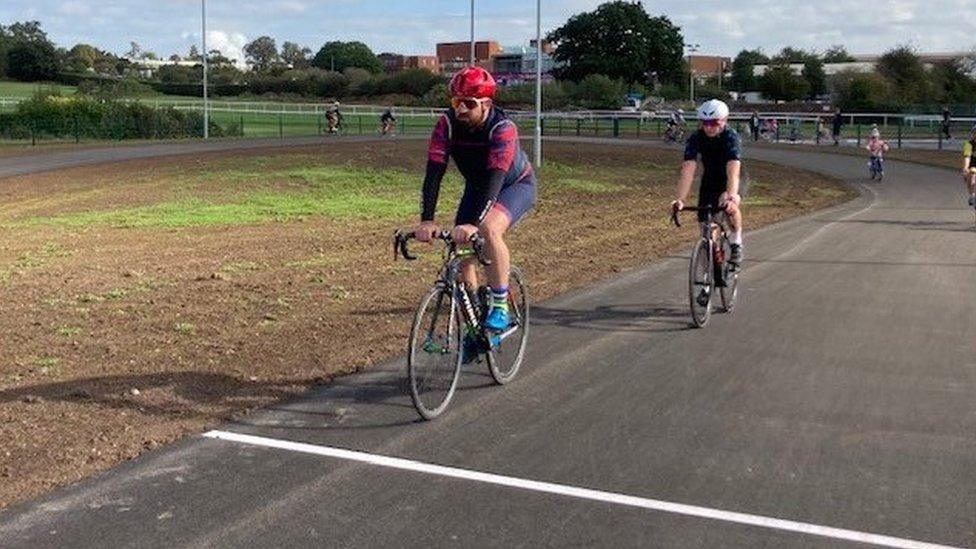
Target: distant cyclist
{"points": [[499, 182], [876, 148], [719, 148], [946, 122], [969, 165], [675, 125], [334, 118], [387, 122]]}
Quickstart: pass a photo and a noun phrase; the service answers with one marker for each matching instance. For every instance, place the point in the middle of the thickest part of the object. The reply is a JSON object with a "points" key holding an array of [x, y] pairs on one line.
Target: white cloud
{"points": [[290, 6], [231, 44], [75, 8]]}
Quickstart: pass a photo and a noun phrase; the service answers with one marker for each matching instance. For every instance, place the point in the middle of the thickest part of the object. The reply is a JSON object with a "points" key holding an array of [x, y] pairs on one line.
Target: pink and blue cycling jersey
{"points": [[496, 170]]}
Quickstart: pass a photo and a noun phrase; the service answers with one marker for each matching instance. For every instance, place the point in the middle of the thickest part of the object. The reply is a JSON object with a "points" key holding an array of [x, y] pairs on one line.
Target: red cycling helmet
{"points": [[473, 82]]}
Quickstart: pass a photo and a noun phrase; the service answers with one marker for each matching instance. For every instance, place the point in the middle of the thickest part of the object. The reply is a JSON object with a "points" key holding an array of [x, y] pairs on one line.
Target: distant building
{"points": [[709, 65], [868, 63], [518, 65], [394, 62], [148, 67], [454, 56]]}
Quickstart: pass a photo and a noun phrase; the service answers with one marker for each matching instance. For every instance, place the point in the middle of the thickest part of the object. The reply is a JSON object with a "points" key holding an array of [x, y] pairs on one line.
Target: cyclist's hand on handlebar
{"points": [[462, 233], [730, 202], [426, 230], [676, 206]]}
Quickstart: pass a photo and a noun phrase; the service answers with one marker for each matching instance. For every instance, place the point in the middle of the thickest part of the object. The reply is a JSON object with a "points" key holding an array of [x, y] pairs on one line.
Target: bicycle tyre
{"points": [[700, 279], [505, 359], [730, 291], [432, 383]]}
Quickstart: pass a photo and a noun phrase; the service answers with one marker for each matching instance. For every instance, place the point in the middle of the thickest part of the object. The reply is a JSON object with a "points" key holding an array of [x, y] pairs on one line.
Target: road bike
{"points": [[876, 167], [710, 269], [449, 325]]}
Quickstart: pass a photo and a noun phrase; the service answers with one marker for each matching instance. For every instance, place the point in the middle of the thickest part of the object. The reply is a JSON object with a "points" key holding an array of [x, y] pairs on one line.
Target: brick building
{"points": [[454, 56]]}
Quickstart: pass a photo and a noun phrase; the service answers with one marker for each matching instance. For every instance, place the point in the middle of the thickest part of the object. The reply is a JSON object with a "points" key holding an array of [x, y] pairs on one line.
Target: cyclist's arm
{"points": [[732, 169], [688, 168], [733, 164], [686, 179], [967, 156], [438, 151]]}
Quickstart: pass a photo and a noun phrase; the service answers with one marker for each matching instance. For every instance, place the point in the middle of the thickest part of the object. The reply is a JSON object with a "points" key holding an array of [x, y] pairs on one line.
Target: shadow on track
{"points": [[616, 318]]}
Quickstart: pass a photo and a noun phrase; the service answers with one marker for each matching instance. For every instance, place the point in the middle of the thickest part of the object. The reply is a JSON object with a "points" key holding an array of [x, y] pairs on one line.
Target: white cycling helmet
{"points": [[713, 110]]}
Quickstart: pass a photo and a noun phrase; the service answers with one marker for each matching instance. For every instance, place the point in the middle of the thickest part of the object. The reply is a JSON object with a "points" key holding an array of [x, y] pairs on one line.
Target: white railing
{"points": [[316, 109]]}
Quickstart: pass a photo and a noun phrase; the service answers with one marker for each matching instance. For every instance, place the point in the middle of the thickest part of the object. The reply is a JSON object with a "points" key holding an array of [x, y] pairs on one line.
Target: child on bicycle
{"points": [[720, 151], [876, 147]]}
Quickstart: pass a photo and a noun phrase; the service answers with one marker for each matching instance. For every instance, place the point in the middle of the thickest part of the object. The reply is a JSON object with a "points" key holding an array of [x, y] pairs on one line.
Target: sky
{"points": [[415, 26]]}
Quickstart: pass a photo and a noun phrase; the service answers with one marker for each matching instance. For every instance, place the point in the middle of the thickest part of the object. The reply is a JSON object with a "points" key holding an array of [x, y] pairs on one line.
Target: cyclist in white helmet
{"points": [[720, 150]]}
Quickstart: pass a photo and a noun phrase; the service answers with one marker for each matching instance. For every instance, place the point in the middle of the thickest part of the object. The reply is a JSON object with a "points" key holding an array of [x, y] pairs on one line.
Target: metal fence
{"points": [[273, 119]]}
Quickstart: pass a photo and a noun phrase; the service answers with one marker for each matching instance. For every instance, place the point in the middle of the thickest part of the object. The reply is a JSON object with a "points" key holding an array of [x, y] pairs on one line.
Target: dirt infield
{"points": [[149, 299]]}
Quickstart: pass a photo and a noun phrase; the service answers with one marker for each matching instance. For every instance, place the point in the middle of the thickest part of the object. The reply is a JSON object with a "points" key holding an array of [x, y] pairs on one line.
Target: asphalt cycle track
{"points": [[834, 408]]}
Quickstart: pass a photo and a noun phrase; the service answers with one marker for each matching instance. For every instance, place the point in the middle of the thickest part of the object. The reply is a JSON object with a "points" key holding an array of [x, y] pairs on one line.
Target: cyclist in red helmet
{"points": [[499, 182]]}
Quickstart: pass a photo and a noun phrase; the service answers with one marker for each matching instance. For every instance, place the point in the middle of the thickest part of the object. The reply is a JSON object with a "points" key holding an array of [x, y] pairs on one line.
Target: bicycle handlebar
{"points": [[710, 209], [401, 239]]}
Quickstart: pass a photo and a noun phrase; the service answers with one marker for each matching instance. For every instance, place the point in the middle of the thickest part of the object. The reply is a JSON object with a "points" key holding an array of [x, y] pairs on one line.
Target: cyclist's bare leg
{"points": [[493, 228]]}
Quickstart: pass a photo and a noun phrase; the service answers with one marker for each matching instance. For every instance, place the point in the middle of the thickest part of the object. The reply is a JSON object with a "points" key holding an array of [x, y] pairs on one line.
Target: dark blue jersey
{"points": [[715, 152]]}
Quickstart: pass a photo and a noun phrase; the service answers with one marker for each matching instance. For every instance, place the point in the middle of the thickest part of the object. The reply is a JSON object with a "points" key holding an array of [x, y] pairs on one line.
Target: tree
{"points": [[837, 54], [813, 72], [903, 68], [743, 79], [194, 54], [339, 56], [620, 40], [82, 57], [952, 82], [261, 54], [135, 51], [780, 83], [4, 46], [28, 31], [858, 91], [32, 61], [296, 56]]}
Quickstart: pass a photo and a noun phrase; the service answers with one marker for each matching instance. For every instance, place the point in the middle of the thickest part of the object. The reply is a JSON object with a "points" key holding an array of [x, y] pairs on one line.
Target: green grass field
{"points": [[27, 89]]}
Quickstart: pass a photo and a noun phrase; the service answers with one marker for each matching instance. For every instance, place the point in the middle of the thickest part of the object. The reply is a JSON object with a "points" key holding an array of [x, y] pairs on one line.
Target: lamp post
{"points": [[691, 48], [472, 32], [538, 83], [206, 103]]}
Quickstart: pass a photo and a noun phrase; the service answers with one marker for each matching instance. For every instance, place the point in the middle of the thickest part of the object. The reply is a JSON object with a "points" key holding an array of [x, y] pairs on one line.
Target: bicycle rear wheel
{"points": [[730, 290], [505, 358], [434, 355], [700, 278]]}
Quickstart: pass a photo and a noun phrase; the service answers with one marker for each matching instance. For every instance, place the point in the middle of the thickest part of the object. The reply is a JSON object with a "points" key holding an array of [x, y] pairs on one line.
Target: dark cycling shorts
{"points": [[708, 195], [515, 200]]}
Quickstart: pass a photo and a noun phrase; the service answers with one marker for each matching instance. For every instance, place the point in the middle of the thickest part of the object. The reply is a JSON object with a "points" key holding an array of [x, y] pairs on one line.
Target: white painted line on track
{"points": [[581, 493]]}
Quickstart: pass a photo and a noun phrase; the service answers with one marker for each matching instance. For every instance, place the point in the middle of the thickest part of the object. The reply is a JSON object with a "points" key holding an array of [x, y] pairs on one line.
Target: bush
{"points": [[88, 117], [597, 91]]}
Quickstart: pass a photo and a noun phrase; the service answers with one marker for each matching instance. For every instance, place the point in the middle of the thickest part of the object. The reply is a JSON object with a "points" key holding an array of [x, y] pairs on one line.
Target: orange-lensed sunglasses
{"points": [[468, 102]]}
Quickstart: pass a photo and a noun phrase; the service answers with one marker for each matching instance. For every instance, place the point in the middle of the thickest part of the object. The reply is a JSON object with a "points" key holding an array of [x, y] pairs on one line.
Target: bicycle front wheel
{"points": [[434, 355], [506, 356], [700, 279], [730, 290]]}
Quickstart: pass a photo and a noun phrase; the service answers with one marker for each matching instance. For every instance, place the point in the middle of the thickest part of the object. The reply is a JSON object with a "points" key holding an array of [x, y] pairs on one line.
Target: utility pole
{"points": [[691, 48], [472, 32], [206, 102], [538, 83]]}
